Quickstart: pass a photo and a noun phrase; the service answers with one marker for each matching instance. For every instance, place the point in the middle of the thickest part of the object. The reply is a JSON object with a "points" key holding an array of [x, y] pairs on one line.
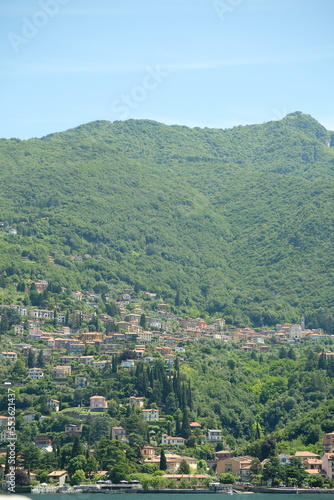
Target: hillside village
{"points": [[91, 385]]}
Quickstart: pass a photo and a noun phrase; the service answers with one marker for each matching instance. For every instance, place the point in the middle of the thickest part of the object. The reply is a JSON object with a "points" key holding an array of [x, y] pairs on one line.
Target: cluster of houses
{"points": [[160, 328], [314, 464], [65, 349], [222, 461]]}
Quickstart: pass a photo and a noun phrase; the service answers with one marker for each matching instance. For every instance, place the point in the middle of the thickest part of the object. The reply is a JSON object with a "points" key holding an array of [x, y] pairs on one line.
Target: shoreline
{"points": [[256, 490]]}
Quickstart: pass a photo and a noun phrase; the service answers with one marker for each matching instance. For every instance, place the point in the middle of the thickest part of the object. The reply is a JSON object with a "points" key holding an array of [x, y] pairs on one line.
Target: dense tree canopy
{"points": [[231, 222]]}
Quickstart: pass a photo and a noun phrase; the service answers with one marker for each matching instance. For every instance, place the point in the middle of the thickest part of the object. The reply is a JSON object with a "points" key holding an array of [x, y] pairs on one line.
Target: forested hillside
{"points": [[238, 221]]}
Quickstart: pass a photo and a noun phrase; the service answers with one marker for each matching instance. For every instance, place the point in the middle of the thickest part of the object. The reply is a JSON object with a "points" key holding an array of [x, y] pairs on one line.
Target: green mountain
{"points": [[238, 221]]}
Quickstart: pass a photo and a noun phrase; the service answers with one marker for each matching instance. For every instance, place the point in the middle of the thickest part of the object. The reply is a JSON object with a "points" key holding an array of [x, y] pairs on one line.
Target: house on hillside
{"points": [[328, 442], [3, 422], [28, 417], [239, 466], [118, 433], [18, 329], [59, 477], [173, 461], [53, 405], [328, 464], [44, 442], [91, 337], [151, 415], [81, 381], [148, 451], [86, 360], [172, 441], [12, 356], [73, 429], [214, 435], [284, 458], [137, 402], [98, 402], [221, 455], [127, 363], [41, 313], [35, 373], [61, 372], [306, 455]]}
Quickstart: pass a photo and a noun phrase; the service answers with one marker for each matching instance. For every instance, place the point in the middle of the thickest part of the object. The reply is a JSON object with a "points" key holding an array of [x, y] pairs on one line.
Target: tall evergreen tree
{"points": [[291, 353], [177, 425], [185, 428], [40, 359], [76, 448], [31, 361], [142, 321], [189, 397], [7, 462], [184, 467], [4, 323], [322, 361], [163, 460]]}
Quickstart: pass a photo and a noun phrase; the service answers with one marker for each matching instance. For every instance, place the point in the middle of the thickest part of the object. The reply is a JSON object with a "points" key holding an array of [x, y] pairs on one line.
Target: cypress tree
{"points": [[4, 324], [291, 353], [55, 317], [185, 429], [190, 397], [76, 448], [31, 359], [177, 425], [142, 321], [163, 461], [322, 362], [40, 359], [257, 431]]}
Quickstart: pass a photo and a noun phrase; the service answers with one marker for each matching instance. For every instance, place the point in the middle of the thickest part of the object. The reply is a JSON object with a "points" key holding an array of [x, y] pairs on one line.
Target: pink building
{"points": [[328, 442], [98, 402]]}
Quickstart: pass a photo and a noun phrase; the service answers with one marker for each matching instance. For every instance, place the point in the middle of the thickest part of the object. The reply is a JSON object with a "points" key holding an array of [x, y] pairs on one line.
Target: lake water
{"points": [[180, 496]]}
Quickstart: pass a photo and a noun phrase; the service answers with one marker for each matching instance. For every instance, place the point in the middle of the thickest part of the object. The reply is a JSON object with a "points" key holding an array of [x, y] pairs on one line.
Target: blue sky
{"points": [[205, 63]]}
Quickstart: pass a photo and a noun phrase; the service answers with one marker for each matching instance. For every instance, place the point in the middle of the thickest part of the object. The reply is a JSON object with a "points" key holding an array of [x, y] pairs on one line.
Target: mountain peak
{"points": [[308, 124]]}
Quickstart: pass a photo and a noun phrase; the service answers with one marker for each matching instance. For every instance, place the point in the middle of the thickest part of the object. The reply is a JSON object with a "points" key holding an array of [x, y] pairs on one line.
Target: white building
{"points": [[172, 441], [18, 329], [138, 402], [214, 435], [12, 356], [81, 381], [35, 373], [151, 415], [41, 313], [53, 404], [127, 363]]}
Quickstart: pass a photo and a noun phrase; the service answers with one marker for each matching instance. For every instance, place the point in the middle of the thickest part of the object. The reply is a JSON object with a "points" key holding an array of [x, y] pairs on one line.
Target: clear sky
{"points": [[206, 63]]}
